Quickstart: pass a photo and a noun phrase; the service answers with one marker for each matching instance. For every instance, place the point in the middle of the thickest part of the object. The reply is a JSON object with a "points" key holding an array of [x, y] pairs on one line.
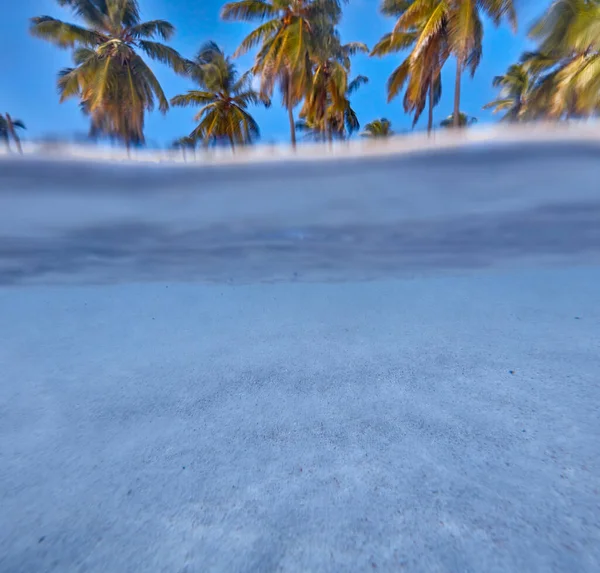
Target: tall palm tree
{"points": [[515, 86], [286, 39], [8, 131], [378, 128], [224, 97], [465, 35], [113, 82], [463, 120], [567, 59], [423, 26], [339, 121], [327, 105]]}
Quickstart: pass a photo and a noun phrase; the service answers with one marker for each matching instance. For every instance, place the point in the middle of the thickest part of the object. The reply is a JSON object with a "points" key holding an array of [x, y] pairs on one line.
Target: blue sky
{"points": [[29, 66]]}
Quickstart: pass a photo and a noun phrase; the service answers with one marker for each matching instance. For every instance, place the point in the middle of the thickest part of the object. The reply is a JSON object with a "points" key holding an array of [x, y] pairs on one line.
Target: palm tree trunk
{"points": [[292, 125], [456, 114], [232, 142], [290, 108], [17, 143], [430, 118], [572, 109], [13, 133]]}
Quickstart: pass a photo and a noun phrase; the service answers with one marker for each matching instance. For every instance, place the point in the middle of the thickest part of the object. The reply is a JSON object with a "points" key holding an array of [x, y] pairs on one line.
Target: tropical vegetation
{"points": [[434, 30], [421, 27], [560, 79], [327, 108], [224, 97], [298, 52], [8, 131], [462, 120], [378, 128], [515, 86], [113, 83]]}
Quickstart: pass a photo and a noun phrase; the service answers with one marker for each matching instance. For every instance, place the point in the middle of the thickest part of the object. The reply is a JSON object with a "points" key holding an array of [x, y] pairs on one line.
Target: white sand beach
{"points": [[387, 363]]}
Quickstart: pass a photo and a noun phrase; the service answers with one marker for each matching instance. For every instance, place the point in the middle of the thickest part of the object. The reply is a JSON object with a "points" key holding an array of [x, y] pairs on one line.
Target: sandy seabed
{"points": [[380, 364]]}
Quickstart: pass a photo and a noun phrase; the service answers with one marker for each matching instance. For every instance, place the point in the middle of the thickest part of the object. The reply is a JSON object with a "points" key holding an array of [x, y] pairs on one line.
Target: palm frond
{"points": [[353, 48], [256, 37], [149, 79], [395, 7], [251, 128], [416, 14], [126, 12], [193, 97], [165, 55], [476, 51], [82, 55], [153, 29], [68, 83], [462, 28], [63, 34], [391, 43], [91, 12], [356, 83], [397, 79], [102, 81], [351, 120], [499, 105], [244, 99], [208, 52], [433, 25], [248, 10]]}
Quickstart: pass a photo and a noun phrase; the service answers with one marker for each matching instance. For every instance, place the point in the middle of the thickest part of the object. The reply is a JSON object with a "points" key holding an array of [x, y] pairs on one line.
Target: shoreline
{"points": [[414, 143]]}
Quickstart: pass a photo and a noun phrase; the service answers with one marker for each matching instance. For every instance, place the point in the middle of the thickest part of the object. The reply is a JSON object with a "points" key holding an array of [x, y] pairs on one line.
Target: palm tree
{"points": [[339, 121], [378, 128], [567, 59], [224, 98], [113, 82], [8, 131], [463, 120], [515, 88], [286, 38], [327, 105], [423, 26], [539, 67], [465, 35]]}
